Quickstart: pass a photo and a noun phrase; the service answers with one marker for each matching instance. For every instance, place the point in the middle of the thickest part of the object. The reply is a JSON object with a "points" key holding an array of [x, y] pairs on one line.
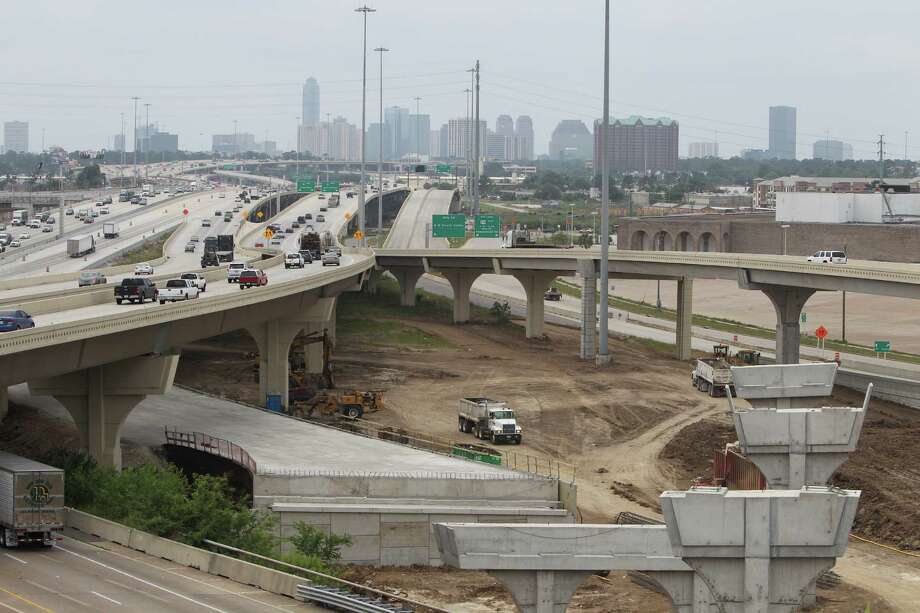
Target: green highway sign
{"points": [[227, 167], [882, 346], [306, 185], [448, 226], [330, 186], [487, 226], [444, 168]]}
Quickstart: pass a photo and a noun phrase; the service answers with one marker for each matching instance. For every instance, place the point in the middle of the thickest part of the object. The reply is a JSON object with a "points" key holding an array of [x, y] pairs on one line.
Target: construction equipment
{"points": [[351, 403], [713, 375]]}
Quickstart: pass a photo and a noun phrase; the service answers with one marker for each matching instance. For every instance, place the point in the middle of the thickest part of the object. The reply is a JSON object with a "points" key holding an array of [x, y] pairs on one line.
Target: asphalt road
{"points": [[82, 574]]}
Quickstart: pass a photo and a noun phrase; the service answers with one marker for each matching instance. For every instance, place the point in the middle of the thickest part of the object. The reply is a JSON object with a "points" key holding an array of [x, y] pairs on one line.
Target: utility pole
{"points": [[906, 134], [468, 135], [381, 51], [478, 146], [881, 157], [135, 98], [602, 355], [361, 195], [147, 145], [297, 178]]}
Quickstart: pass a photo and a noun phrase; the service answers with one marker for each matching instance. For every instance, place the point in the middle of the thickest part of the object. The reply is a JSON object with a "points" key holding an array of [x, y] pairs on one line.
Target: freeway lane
{"points": [[83, 574]]}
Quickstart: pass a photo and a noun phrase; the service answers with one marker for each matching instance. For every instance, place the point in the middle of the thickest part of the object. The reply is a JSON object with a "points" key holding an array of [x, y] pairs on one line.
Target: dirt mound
{"points": [[691, 451]]}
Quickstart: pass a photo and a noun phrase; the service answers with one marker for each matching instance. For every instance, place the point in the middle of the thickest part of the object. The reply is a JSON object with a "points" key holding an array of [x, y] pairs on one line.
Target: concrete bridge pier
{"points": [[788, 303], [100, 398], [542, 591], [461, 281], [684, 335], [407, 279], [535, 285], [588, 348]]}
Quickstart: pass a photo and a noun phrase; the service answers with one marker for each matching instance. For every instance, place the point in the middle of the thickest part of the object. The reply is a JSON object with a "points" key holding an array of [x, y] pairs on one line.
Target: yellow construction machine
{"points": [[350, 403]]}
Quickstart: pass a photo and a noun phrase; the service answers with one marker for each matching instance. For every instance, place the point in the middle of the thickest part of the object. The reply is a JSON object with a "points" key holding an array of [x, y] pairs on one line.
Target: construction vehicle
{"points": [[351, 403], [712, 375], [488, 419]]}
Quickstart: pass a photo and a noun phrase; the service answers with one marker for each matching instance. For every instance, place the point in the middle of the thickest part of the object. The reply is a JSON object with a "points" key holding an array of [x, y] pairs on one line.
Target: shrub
{"points": [[501, 311], [314, 543]]}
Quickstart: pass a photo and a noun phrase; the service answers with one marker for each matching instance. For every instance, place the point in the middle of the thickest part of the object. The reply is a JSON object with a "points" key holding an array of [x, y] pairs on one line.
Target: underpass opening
{"points": [[639, 241], [662, 241], [195, 462], [707, 242]]}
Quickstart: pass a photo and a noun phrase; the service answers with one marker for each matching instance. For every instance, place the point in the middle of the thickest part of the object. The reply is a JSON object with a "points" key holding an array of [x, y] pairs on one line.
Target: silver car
{"points": [[91, 278], [331, 258]]}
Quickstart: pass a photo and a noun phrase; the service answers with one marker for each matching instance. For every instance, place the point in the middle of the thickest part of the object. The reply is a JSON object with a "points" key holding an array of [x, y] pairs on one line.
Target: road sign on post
{"points": [[306, 185], [268, 233], [487, 226], [821, 332], [448, 226], [882, 346], [331, 186]]}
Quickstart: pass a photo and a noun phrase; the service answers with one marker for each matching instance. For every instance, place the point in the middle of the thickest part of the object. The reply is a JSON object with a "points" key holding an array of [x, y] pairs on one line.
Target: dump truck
{"points": [[78, 246], [310, 241], [225, 248], [488, 419], [351, 403], [713, 374], [110, 230], [31, 501]]}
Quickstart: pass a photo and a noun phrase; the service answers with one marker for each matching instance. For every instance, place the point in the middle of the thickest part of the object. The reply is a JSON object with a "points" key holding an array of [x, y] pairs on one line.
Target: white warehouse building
{"points": [[829, 207]]}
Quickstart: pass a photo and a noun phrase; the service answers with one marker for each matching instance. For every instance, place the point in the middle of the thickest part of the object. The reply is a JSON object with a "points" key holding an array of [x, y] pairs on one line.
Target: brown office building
{"points": [[639, 144]]}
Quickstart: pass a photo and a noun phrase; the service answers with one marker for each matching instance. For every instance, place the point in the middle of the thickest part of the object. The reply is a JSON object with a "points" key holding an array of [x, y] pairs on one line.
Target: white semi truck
{"points": [[488, 419], [31, 501], [110, 230], [79, 246]]}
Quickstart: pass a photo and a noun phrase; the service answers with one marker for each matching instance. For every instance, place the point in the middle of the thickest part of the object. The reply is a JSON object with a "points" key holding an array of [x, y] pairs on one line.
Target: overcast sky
{"points": [[850, 67]]}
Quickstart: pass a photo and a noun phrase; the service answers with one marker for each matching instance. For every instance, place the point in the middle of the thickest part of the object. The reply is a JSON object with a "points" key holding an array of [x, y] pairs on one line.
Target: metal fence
{"points": [[736, 472], [213, 445]]}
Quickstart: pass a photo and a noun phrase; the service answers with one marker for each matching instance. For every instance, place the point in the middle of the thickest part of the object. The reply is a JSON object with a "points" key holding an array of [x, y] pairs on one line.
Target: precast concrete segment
{"points": [[759, 551], [588, 345], [535, 285], [684, 332], [783, 386], [100, 398], [801, 446]]}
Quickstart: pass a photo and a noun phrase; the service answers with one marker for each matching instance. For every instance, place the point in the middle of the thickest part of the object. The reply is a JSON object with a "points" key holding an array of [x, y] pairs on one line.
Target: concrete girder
{"points": [[407, 279], [100, 398], [461, 281], [535, 285], [784, 386]]}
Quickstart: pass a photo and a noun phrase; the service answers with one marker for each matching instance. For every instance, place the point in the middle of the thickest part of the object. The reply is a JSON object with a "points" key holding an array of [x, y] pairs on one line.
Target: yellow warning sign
{"points": [[359, 235], [268, 233], [347, 215], [260, 214]]}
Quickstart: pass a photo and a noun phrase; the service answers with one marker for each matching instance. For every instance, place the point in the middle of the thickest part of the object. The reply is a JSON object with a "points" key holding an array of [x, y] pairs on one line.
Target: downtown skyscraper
{"points": [[310, 115]]}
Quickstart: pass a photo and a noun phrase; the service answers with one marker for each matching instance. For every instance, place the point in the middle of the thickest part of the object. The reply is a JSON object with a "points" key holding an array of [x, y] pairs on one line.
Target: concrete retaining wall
{"points": [[399, 535], [273, 581]]}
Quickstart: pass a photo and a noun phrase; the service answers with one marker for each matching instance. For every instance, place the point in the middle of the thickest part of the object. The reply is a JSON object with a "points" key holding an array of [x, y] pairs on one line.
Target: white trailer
{"points": [[488, 419], [110, 230], [79, 246], [31, 501]]}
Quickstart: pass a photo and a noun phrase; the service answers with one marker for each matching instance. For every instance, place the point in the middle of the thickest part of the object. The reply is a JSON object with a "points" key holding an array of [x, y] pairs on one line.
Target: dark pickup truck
{"points": [[135, 290]]}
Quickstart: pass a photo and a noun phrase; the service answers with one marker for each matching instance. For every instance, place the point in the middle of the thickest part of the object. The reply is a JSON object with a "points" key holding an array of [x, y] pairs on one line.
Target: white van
{"points": [[828, 257], [234, 270]]}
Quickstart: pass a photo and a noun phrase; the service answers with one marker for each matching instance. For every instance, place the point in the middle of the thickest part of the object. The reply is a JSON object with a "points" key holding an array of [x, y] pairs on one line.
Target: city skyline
{"points": [[80, 109]]}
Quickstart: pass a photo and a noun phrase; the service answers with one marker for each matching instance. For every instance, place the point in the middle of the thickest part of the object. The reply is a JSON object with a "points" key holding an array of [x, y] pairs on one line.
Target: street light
{"points": [[380, 50], [361, 212], [572, 226], [602, 355]]}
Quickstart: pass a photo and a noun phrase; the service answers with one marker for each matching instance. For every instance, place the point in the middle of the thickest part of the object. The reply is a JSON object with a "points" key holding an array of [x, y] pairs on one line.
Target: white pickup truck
{"points": [[200, 282], [177, 289]]}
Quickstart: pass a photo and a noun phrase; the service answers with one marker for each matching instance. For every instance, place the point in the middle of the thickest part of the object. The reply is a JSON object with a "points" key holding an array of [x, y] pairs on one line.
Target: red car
{"points": [[253, 278]]}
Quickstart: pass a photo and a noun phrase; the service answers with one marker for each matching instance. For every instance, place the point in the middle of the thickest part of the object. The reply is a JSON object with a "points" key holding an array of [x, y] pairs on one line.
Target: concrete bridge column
{"points": [[684, 319], [313, 352], [274, 340], [4, 402], [461, 282], [687, 590], [588, 348], [788, 303], [100, 398], [541, 591], [407, 278], [535, 286]]}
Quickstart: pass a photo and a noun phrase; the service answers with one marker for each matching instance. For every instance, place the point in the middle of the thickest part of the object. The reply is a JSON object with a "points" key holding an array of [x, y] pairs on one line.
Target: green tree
{"points": [[90, 176], [313, 542], [501, 312]]}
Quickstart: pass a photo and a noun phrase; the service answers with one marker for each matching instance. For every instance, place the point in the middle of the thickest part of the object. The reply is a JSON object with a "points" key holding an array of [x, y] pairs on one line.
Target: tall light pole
{"points": [[602, 355], [477, 146], [381, 51], [467, 136], [135, 98], [147, 145], [361, 212]]}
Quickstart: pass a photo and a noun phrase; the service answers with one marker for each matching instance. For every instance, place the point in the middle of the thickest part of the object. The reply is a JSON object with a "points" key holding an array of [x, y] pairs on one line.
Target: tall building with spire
{"points": [[310, 103]]}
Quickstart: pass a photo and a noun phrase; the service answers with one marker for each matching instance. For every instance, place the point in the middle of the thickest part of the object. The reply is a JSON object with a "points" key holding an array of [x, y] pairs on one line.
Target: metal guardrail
{"points": [[342, 600], [213, 445], [356, 588]]}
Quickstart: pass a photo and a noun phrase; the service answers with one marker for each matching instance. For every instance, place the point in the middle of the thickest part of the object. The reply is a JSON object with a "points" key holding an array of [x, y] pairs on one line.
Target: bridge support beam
{"points": [[100, 399], [682, 344], [407, 279], [461, 282], [588, 348], [535, 286], [4, 402], [542, 591], [788, 303]]}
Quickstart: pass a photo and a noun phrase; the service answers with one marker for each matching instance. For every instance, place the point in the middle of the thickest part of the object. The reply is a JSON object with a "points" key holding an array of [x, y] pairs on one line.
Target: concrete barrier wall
{"points": [[270, 580], [400, 536]]}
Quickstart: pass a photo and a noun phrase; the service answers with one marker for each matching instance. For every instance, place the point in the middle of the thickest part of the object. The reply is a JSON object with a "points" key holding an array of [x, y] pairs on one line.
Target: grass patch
{"points": [[732, 326], [385, 305], [389, 332], [149, 250]]}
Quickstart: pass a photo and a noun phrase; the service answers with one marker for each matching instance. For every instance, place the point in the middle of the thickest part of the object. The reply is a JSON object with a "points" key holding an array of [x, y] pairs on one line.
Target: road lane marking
{"points": [[136, 590], [56, 593], [105, 597], [138, 579], [20, 560], [25, 600], [11, 608]]}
